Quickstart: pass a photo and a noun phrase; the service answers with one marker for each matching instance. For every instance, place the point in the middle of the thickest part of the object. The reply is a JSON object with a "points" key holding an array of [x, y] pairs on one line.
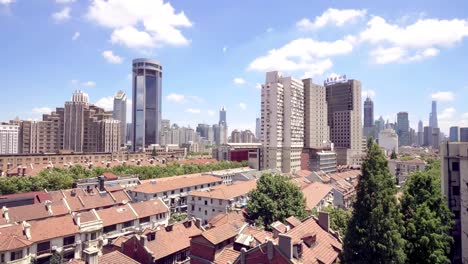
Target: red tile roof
{"points": [[174, 183], [315, 192], [150, 207], [220, 233], [10, 242], [34, 212], [228, 255], [226, 192], [234, 217], [116, 215], [109, 176], [115, 257]]}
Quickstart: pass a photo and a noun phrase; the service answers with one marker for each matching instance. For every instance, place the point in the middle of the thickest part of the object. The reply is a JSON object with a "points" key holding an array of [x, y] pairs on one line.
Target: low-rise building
{"points": [[228, 174], [239, 152], [173, 190], [206, 204], [402, 168], [107, 179], [318, 160], [388, 141], [318, 195]]}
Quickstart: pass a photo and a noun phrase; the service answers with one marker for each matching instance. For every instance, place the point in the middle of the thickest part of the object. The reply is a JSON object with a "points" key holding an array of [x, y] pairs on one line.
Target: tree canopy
{"points": [[374, 230], [275, 199], [427, 218]]}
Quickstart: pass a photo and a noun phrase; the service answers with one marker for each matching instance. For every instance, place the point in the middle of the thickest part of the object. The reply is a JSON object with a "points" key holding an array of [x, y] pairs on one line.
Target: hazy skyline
{"points": [[216, 54]]}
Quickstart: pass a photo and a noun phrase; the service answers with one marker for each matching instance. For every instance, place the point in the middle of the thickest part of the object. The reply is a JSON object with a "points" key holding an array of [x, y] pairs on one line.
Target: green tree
{"points": [[275, 199], [339, 219], [393, 155], [374, 230], [56, 258], [154, 153], [427, 218]]}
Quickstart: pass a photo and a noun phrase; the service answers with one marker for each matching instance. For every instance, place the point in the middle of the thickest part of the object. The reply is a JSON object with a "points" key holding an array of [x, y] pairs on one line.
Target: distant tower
{"points": [[120, 113], [420, 133], [368, 117], [146, 107], [222, 116], [403, 129], [258, 125], [433, 123], [73, 138]]}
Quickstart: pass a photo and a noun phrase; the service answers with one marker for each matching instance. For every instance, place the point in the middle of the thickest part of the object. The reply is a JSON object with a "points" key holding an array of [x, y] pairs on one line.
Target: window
{"points": [[193, 207], [172, 192], [43, 248], [68, 240], [199, 209], [165, 193], [455, 166], [144, 220], [206, 202], [206, 212], [111, 228], [213, 210], [128, 224], [93, 236], [220, 202], [211, 201], [456, 190], [2, 256], [16, 255], [456, 214], [182, 190], [199, 198]]}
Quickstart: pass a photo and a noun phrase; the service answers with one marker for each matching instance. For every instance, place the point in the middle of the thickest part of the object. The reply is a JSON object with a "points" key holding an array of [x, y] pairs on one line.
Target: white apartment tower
{"points": [[316, 118], [9, 139], [120, 113], [282, 111]]}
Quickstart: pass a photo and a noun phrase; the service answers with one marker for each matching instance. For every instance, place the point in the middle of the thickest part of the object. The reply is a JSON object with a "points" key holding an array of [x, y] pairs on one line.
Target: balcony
{"points": [[42, 252]]}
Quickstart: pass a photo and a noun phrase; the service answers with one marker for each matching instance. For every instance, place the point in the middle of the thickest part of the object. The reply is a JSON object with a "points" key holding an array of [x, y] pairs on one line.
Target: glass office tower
{"points": [[146, 107]]}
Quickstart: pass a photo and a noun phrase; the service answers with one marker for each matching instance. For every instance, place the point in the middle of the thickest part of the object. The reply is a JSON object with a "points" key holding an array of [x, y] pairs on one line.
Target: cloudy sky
{"points": [[216, 53]]}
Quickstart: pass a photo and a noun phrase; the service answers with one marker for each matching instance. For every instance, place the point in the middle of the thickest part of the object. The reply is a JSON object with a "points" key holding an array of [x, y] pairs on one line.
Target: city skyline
{"points": [[101, 55]]}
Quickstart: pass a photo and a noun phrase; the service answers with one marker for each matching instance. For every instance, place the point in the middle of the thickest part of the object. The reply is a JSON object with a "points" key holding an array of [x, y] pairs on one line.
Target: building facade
{"points": [[403, 130], [464, 134], [368, 129], [120, 113], [147, 103], [74, 120], [454, 135], [316, 132], [388, 140], [9, 135]]}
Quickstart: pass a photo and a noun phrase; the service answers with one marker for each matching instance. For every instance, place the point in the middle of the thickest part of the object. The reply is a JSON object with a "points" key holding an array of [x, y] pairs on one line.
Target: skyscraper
{"points": [[403, 129], [463, 134], [222, 116], [454, 134], [9, 134], [258, 130], [344, 120], [420, 133], [433, 123], [316, 132], [120, 113], [368, 118], [282, 110], [74, 119], [146, 107]]}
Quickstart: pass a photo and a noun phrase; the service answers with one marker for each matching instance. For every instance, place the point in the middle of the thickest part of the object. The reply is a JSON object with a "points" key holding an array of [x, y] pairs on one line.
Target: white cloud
{"points": [[368, 93], [412, 42], [76, 36], [176, 98], [443, 96], [74, 82], [225, 49], [447, 113], [239, 80], [258, 86], [210, 112], [106, 102], [111, 57], [465, 115], [62, 15], [64, 1], [193, 110], [303, 54], [42, 110], [270, 29], [242, 106], [140, 24], [333, 16], [6, 2], [88, 84]]}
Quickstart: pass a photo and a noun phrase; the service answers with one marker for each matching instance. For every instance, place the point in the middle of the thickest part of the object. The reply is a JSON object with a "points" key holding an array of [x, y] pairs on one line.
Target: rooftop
{"points": [[227, 192], [115, 257], [174, 183], [315, 192]]}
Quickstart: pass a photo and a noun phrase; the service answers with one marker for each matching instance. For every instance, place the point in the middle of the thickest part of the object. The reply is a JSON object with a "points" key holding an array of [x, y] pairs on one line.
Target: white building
{"points": [[317, 133], [9, 139], [402, 168], [388, 140], [120, 113], [282, 110]]}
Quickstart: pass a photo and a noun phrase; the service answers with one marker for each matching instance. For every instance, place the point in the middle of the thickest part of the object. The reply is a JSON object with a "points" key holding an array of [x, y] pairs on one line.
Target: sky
{"points": [[216, 53]]}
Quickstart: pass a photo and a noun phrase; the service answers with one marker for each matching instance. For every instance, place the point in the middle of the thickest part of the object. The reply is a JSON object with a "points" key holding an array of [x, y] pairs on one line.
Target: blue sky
{"points": [[215, 53]]}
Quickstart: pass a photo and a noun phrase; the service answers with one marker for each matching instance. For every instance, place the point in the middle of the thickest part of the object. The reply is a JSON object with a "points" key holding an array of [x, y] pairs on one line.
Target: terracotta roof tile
{"points": [[233, 217], [116, 215], [150, 207], [35, 211], [174, 183], [220, 233], [226, 192], [115, 257], [228, 255], [293, 221], [278, 226], [109, 176], [119, 240], [315, 192], [12, 239]]}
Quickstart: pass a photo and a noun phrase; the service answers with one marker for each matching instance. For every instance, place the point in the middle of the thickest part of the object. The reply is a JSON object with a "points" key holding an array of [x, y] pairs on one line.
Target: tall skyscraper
{"points": [[222, 116], [420, 133], [258, 130], [344, 120], [221, 129], [368, 118], [316, 132], [74, 119], [433, 123], [9, 135], [120, 113], [403, 129], [146, 107], [454, 134], [282, 110], [464, 134]]}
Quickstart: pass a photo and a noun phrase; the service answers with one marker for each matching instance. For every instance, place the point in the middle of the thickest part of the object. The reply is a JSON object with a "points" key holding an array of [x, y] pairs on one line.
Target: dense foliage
{"points": [[275, 199], [63, 178], [177, 217], [427, 218], [393, 155], [339, 218], [374, 230]]}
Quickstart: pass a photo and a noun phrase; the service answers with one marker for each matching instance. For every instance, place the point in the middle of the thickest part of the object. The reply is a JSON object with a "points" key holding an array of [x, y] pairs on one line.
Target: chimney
{"points": [[285, 245], [324, 220], [6, 215], [242, 255], [101, 183], [48, 205], [198, 222], [270, 250], [27, 230], [77, 218], [24, 171]]}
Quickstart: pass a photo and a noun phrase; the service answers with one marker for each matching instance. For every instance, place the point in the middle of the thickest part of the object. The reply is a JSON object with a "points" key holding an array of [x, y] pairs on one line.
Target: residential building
{"points": [[236, 136], [436, 138], [454, 134], [319, 160], [282, 122], [74, 120], [318, 195], [120, 113], [463, 134], [205, 205], [368, 130], [379, 126], [344, 119], [108, 135], [222, 116], [454, 157], [146, 106], [420, 133], [108, 180], [316, 132], [239, 152], [206, 132], [427, 142], [161, 245], [388, 141], [173, 190], [402, 168], [258, 128], [9, 135], [403, 129]]}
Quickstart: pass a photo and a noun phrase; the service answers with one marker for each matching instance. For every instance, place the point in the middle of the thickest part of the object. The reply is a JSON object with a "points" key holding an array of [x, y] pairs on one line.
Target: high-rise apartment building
{"points": [[74, 119], [316, 132], [454, 134], [427, 142], [420, 133], [206, 131], [403, 129], [146, 107], [9, 135], [108, 135], [120, 113], [454, 168], [368, 129], [258, 128], [435, 137], [236, 136], [222, 116], [433, 123], [282, 110], [344, 120], [464, 134], [221, 129]]}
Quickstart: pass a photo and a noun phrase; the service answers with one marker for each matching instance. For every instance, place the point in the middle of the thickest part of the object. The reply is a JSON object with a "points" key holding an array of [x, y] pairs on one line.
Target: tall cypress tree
{"points": [[427, 218], [374, 231]]}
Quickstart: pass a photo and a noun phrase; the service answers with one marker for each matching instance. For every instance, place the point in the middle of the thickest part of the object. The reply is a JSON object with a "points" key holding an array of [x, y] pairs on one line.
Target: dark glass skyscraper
{"points": [[403, 129], [146, 108], [368, 118], [433, 123]]}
